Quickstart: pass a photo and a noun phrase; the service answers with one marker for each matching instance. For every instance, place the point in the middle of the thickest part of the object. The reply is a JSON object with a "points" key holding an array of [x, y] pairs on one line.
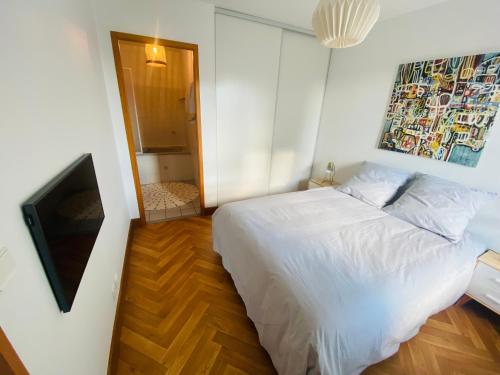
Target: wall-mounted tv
{"points": [[64, 218]]}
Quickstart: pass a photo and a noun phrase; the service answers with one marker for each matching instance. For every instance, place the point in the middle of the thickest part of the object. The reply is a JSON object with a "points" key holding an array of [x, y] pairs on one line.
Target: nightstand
{"points": [[485, 284], [315, 183]]}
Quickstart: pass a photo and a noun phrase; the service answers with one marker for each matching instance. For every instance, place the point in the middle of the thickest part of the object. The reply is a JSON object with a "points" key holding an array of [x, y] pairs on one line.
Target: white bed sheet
{"points": [[332, 284]]}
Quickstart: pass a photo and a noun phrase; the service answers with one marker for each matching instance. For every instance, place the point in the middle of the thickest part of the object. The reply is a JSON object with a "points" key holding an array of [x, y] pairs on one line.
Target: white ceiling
{"points": [[299, 12]]}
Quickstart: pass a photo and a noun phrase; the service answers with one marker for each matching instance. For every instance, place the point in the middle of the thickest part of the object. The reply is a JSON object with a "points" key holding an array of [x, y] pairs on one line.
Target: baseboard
{"points": [[115, 338], [463, 300], [208, 211]]}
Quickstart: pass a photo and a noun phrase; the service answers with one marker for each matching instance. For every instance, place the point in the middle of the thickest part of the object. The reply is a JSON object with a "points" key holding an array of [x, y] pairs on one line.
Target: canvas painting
{"points": [[444, 109]]}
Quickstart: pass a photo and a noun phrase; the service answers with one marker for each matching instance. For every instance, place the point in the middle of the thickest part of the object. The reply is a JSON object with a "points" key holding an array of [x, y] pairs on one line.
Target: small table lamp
{"points": [[330, 172]]}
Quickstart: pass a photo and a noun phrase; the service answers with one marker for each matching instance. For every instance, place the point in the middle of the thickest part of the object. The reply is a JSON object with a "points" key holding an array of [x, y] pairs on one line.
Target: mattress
{"points": [[332, 284]]}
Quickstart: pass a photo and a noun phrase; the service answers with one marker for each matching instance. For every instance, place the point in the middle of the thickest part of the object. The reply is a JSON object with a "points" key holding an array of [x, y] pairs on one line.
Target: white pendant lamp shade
{"points": [[344, 23]]}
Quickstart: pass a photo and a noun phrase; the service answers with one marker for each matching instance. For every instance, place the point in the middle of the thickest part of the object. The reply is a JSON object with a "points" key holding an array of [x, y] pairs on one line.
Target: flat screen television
{"points": [[64, 218]]}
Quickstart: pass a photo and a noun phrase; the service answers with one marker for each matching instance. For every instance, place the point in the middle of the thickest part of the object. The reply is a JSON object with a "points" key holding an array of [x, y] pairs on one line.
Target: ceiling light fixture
{"points": [[155, 55], [344, 23]]}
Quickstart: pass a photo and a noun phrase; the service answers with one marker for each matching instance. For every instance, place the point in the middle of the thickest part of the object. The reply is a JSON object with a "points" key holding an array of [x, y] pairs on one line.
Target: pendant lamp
{"points": [[344, 23], [155, 55]]}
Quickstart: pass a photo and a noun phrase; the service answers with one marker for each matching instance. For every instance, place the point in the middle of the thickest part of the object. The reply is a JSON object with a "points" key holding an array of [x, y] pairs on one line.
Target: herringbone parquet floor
{"points": [[182, 315]]}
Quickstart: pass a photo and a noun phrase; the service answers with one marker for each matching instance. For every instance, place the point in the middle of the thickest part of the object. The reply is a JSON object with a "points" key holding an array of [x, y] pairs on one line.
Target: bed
{"points": [[333, 284]]}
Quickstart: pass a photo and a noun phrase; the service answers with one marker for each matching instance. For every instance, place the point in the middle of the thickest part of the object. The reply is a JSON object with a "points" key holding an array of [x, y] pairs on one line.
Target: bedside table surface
{"points": [[485, 283], [491, 258], [323, 183]]}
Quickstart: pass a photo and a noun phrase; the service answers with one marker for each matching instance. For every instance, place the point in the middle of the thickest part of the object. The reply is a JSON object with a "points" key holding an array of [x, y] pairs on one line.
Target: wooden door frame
{"points": [[116, 37], [9, 357]]}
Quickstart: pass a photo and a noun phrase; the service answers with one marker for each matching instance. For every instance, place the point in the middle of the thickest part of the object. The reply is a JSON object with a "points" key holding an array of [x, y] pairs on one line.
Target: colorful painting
{"points": [[444, 109]]}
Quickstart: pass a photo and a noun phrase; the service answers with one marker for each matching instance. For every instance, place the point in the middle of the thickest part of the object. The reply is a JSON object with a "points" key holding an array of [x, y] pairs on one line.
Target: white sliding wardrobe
{"points": [[301, 87], [247, 66], [270, 84]]}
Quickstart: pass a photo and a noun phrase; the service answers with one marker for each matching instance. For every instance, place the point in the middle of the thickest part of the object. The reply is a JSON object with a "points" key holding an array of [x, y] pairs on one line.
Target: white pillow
{"points": [[375, 184], [438, 205]]}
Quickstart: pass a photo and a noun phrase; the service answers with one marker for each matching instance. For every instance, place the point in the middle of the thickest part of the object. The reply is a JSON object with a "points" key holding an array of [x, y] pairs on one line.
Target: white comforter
{"points": [[332, 284]]}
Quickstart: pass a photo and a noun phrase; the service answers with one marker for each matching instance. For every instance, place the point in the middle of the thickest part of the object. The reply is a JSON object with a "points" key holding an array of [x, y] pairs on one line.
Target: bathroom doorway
{"points": [[159, 89]]}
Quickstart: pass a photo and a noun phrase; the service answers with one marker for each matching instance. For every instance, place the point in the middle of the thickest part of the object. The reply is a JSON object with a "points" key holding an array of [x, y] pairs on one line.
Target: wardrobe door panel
{"points": [[303, 71], [247, 65]]}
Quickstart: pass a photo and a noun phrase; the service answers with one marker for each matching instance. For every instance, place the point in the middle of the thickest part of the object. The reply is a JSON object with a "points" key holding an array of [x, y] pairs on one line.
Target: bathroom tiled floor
{"points": [[166, 211]]}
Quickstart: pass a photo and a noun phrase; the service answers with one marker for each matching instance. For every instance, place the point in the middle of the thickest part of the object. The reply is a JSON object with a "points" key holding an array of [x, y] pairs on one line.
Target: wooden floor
{"points": [[182, 315]]}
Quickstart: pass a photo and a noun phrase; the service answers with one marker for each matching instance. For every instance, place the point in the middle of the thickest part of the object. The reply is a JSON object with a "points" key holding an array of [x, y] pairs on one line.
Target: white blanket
{"points": [[332, 284]]}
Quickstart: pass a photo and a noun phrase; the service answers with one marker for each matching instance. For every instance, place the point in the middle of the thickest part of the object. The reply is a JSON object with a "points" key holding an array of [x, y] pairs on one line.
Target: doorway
{"points": [[158, 81]]}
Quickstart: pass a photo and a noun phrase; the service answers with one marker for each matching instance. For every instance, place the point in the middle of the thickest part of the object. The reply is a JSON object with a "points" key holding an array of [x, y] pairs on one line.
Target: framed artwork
{"points": [[444, 109]]}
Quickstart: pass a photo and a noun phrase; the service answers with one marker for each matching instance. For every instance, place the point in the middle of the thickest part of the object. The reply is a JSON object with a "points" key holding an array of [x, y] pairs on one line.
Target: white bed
{"points": [[332, 284]]}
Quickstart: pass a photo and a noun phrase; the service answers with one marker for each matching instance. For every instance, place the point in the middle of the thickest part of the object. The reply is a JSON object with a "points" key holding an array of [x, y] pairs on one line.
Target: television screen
{"points": [[64, 218]]}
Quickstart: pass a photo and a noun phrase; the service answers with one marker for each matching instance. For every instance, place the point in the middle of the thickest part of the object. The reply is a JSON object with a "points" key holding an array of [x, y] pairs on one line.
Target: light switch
{"points": [[7, 267]]}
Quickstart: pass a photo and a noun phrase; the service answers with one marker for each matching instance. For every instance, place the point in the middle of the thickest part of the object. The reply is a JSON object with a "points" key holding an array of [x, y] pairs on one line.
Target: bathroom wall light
{"points": [[155, 55]]}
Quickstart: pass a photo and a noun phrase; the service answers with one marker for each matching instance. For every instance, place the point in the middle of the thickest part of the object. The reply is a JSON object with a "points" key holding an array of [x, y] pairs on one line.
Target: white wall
{"points": [[53, 109], [187, 21], [360, 84]]}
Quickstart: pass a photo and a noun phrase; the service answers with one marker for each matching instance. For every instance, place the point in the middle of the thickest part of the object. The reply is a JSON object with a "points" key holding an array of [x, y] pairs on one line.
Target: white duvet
{"points": [[332, 284]]}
